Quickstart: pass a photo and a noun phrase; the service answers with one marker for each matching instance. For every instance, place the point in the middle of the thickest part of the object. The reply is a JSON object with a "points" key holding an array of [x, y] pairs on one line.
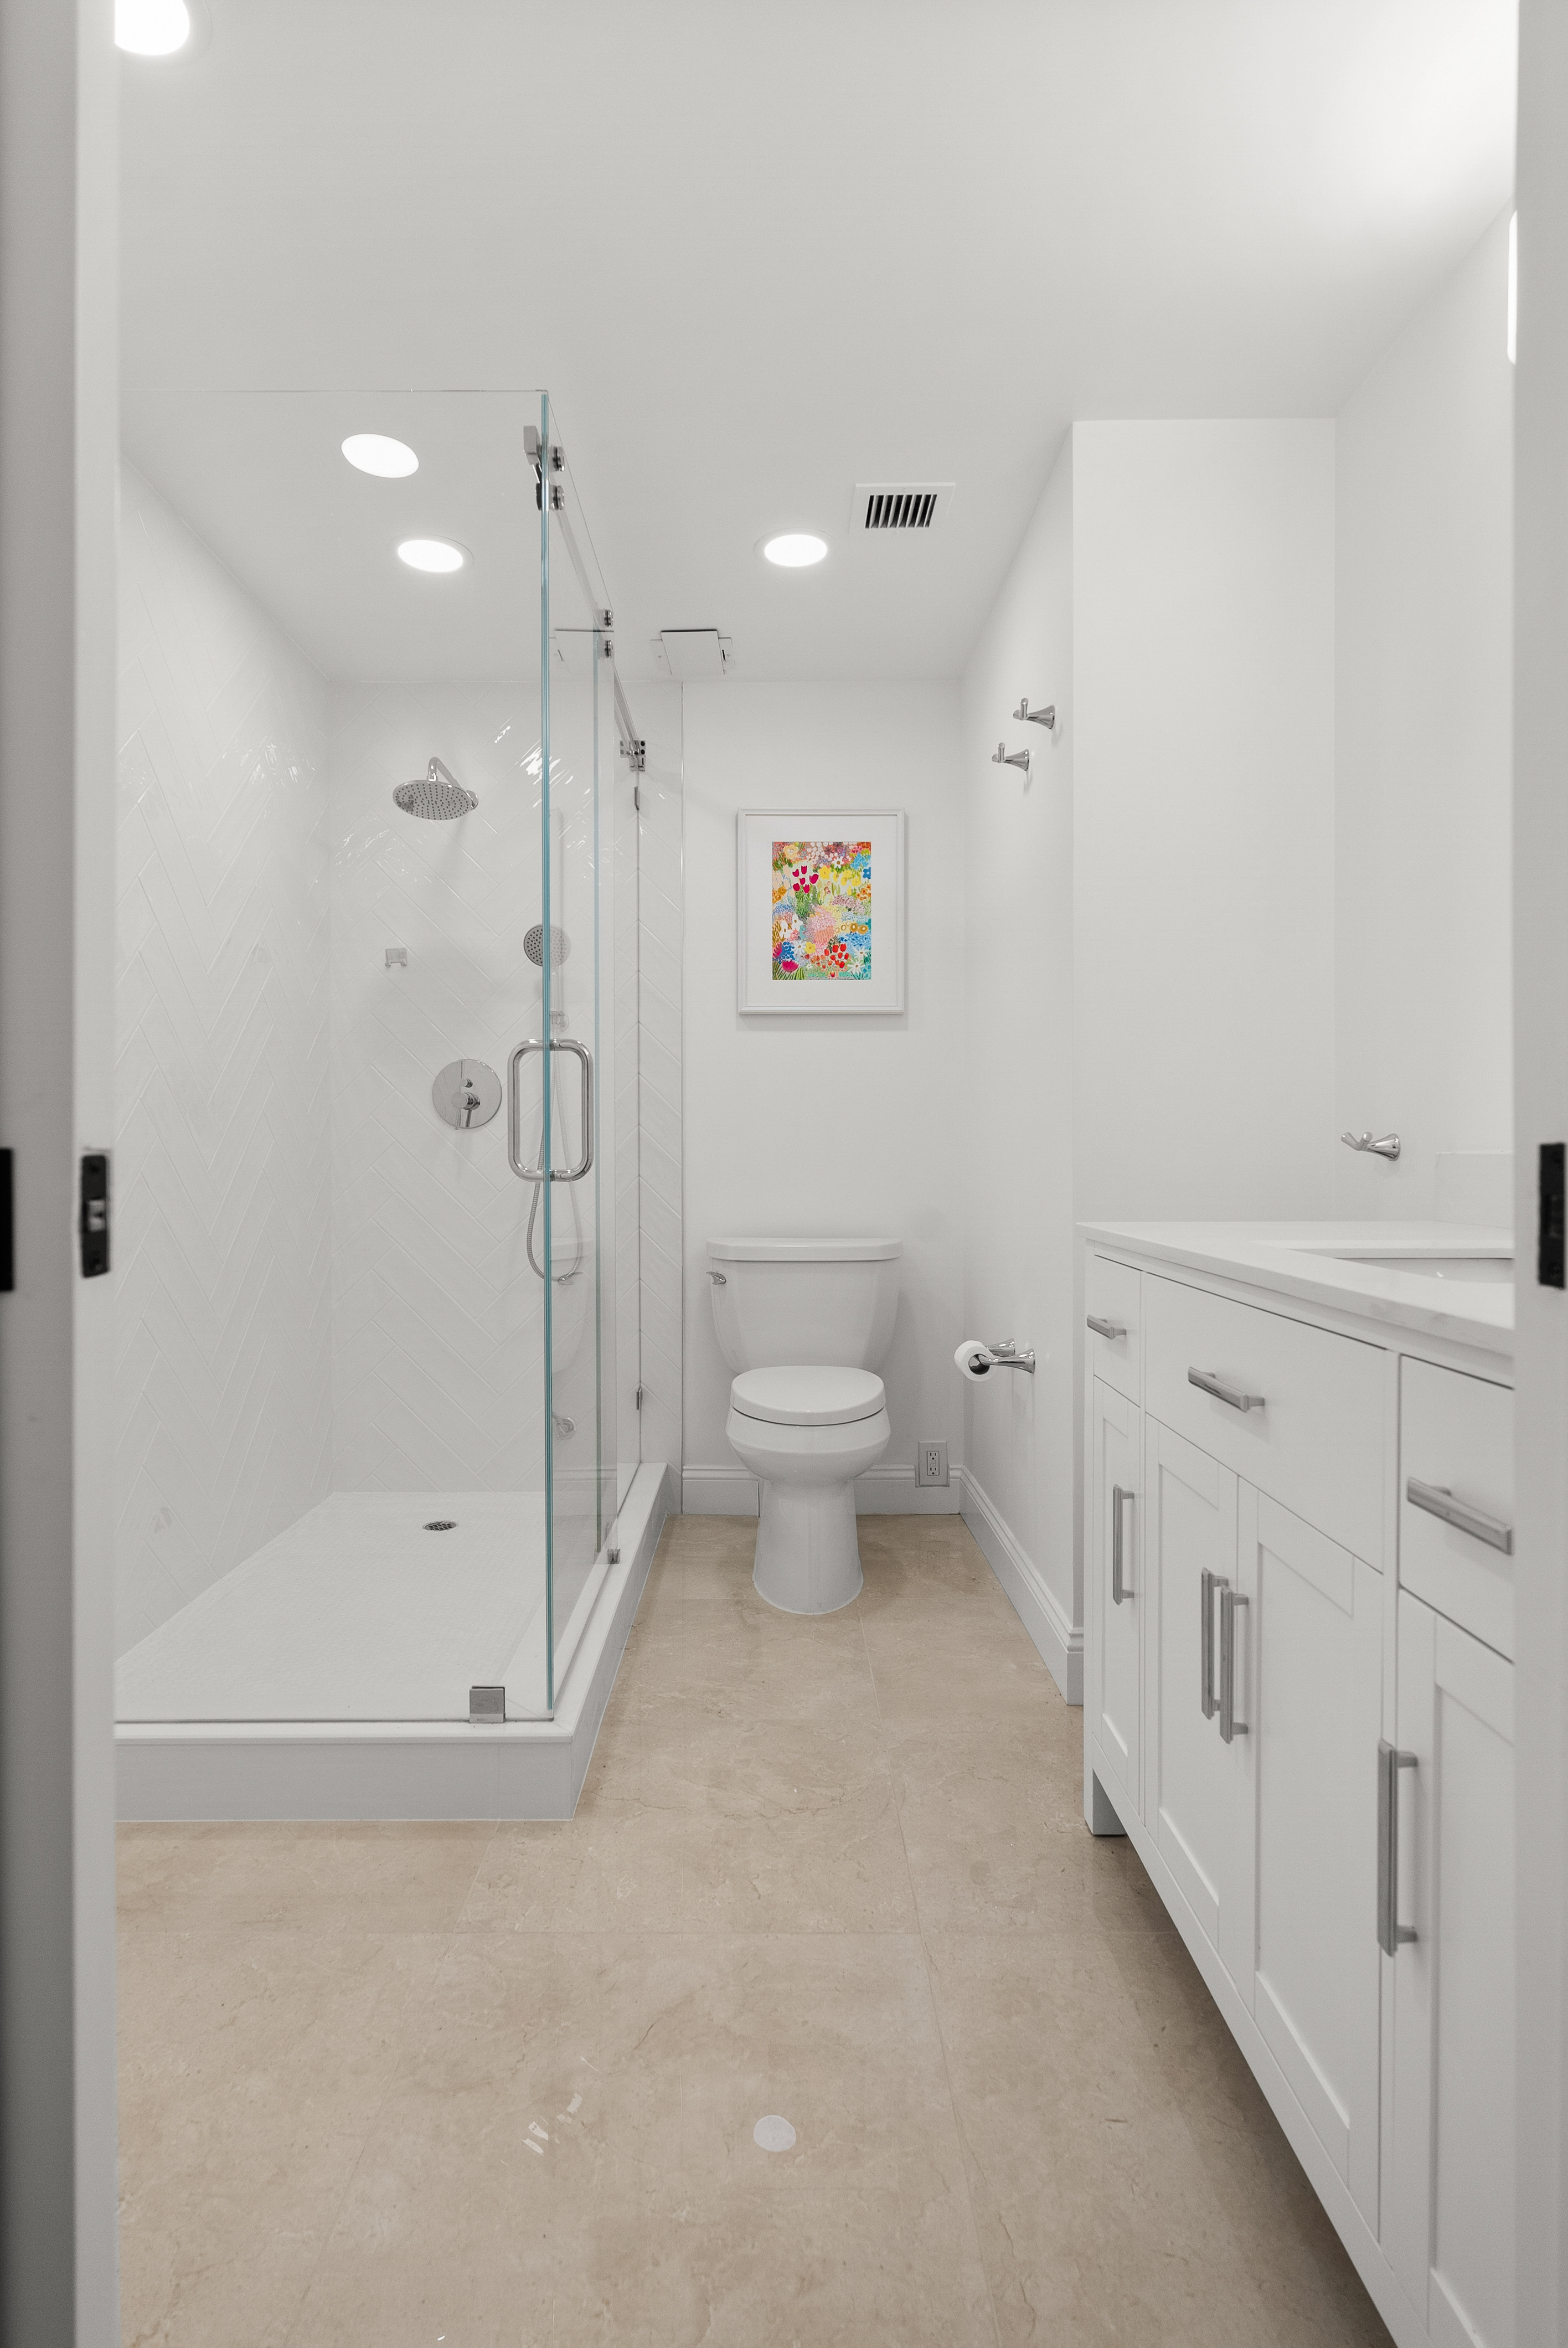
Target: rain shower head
{"points": [[438, 797], [534, 946]]}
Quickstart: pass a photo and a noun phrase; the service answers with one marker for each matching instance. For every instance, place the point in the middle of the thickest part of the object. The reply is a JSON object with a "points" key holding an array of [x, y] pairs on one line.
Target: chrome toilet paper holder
{"points": [[978, 1355]]}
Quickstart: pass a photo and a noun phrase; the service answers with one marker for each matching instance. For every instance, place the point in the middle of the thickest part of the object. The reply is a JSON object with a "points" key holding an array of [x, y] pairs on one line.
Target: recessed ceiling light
{"points": [[431, 554], [151, 28], [373, 452], [795, 550]]}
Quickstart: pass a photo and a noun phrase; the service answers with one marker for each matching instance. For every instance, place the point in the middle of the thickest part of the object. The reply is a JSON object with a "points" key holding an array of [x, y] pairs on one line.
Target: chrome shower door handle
{"points": [[1121, 1587], [558, 1173], [585, 1057], [523, 1173]]}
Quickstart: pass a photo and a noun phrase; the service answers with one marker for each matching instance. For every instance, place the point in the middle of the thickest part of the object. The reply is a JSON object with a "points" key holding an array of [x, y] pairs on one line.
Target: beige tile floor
{"points": [[390, 2086]]}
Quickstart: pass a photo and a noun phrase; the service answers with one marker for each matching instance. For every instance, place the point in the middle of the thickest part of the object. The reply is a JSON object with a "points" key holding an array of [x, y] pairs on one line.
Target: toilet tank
{"points": [[779, 1301]]}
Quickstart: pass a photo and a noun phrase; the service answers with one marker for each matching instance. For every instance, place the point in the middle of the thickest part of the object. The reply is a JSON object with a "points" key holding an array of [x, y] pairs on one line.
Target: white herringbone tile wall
{"points": [[437, 1370], [661, 898], [221, 1239]]}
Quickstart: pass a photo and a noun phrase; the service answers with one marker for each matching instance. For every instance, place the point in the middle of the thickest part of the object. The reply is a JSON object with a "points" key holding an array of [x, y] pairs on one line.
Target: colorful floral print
{"points": [[821, 909]]}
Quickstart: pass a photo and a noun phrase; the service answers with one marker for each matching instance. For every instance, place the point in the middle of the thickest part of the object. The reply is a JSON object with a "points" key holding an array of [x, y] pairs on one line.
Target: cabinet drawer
{"points": [[1315, 1444], [1456, 1436], [1113, 1294]]}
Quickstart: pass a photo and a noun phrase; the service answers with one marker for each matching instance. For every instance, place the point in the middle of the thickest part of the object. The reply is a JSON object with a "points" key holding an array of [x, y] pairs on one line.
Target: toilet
{"points": [[803, 1323]]}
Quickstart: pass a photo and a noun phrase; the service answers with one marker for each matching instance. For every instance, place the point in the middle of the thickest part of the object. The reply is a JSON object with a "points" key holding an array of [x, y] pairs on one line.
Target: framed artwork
{"points": [[820, 920]]}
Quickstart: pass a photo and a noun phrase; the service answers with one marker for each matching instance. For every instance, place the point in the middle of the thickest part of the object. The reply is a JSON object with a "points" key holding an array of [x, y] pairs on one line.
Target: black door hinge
{"points": [[1549, 1246], [93, 1217]]}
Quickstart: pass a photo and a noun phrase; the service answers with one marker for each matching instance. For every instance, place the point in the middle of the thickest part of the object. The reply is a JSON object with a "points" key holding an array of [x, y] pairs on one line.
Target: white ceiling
{"points": [[759, 253]]}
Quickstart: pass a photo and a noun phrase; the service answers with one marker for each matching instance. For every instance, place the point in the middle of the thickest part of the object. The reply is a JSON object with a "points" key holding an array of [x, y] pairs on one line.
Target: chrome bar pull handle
{"points": [[1207, 1584], [1390, 1932], [1103, 1328], [514, 1110], [1438, 1501], [1211, 1382], [1121, 1587], [585, 1060], [1230, 1726]]}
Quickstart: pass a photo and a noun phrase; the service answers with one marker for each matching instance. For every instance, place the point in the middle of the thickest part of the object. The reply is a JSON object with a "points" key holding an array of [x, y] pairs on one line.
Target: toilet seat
{"points": [[808, 1395]]}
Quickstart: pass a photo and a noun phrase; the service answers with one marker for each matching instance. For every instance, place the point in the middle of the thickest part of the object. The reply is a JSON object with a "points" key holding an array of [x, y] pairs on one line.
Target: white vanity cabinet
{"points": [[1116, 1535], [1449, 2234], [1312, 1757]]}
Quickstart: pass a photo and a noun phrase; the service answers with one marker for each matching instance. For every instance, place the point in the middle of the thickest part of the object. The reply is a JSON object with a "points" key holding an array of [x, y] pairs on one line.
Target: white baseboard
{"points": [[893, 1492], [1058, 1639], [881, 1491], [718, 1492]]}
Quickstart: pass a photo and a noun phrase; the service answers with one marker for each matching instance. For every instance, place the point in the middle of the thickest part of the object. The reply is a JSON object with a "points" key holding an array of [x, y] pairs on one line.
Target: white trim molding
{"points": [[1058, 1639], [880, 1492]]}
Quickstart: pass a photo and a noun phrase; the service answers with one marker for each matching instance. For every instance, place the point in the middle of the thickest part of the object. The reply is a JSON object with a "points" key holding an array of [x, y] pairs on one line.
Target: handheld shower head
{"points": [[438, 797]]}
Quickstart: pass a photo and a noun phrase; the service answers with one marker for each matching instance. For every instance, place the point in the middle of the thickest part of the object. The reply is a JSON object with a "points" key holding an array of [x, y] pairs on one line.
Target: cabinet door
{"points": [[1117, 1594], [1450, 2232], [1309, 1648], [1198, 1790]]}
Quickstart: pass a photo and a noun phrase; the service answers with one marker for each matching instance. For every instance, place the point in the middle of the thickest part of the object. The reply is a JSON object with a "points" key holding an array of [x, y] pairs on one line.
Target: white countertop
{"points": [[1299, 1260]]}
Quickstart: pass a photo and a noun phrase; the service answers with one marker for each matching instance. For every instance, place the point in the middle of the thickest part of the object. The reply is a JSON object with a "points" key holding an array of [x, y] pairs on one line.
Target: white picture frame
{"points": [[763, 988]]}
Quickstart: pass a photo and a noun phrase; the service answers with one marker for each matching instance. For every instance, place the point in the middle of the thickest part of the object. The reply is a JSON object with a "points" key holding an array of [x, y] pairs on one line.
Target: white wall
{"points": [[222, 1391], [1149, 1016], [1424, 637], [661, 905], [438, 1319], [1204, 823], [1017, 1080], [828, 1124]]}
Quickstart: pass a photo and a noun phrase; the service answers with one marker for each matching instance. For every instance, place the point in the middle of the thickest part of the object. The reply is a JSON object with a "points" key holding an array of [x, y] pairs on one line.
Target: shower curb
{"points": [[521, 1769]]}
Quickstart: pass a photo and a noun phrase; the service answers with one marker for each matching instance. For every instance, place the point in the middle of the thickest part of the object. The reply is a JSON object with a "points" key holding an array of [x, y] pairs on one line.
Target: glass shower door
{"points": [[582, 1107]]}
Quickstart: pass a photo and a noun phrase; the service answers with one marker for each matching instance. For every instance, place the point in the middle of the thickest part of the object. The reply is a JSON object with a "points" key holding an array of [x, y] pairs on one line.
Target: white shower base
{"points": [[357, 1613], [328, 1677]]}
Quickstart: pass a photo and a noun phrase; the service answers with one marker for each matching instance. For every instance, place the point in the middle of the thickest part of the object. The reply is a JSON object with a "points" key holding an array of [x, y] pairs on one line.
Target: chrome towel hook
{"points": [[1046, 716], [1388, 1147], [1001, 756]]}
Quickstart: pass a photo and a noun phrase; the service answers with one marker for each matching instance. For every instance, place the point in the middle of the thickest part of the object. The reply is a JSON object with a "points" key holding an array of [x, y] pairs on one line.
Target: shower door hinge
{"points": [[486, 1706], [640, 1397]]}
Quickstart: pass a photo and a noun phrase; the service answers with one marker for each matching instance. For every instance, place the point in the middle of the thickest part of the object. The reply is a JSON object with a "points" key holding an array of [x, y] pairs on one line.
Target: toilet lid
{"points": [[817, 1395]]}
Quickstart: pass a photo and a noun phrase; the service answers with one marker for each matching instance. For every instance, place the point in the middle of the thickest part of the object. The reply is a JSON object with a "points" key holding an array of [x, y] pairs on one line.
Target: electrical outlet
{"points": [[931, 1463]]}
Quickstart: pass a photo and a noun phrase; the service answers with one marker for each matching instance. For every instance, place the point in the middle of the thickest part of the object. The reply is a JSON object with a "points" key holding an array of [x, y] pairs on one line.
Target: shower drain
{"points": [[442, 1525]]}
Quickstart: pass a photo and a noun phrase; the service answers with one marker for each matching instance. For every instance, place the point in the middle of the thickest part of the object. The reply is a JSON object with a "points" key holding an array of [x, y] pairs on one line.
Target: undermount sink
{"points": [[1496, 1270]]}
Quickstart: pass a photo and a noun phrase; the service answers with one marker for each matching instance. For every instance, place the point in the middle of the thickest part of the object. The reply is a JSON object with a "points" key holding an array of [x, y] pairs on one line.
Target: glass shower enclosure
{"points": [[377, 1150]]}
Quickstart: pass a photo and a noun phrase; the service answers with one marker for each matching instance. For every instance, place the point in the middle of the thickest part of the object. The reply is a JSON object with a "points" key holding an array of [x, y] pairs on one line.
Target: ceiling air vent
{"points": [[900, 507]]}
